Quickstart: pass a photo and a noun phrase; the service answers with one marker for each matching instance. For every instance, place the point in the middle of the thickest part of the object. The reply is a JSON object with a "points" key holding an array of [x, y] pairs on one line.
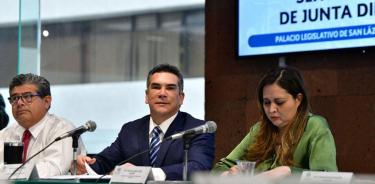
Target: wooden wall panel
{"points": [[341, 85]]}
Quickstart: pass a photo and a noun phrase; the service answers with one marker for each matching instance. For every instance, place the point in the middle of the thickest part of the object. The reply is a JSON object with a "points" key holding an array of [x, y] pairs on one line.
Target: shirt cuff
{"points": [[158, 174]]}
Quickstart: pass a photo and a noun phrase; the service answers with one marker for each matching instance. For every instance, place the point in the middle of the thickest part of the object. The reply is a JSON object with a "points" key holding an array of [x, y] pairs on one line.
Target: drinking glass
{"points": [[246, 167]]}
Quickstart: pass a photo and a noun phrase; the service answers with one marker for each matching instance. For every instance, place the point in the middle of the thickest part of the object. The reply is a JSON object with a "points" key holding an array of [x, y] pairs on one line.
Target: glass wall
{"points": [[122, 48], [8, 54], [9, 15], [107, 47], [97, 63]]}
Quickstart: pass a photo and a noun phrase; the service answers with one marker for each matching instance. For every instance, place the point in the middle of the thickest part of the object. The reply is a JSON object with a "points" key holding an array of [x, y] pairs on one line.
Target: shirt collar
{"points": [[38, 127], [163, 125]]}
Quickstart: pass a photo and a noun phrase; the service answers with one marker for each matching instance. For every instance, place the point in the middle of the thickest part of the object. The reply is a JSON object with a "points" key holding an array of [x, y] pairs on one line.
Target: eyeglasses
{"points": [[26, 97]]}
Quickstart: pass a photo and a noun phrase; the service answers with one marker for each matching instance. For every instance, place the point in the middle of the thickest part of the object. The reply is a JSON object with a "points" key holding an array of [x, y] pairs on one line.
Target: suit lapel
{"points": [[143, 138], [176, 126]]}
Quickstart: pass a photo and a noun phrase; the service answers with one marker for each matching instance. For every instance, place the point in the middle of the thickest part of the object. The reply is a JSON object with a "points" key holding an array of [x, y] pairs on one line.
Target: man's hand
{"points": [[126, 165], [81, 160]]}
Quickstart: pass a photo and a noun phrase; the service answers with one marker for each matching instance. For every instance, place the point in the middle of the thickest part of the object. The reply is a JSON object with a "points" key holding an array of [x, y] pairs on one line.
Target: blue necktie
{"points": [[154, 144]]}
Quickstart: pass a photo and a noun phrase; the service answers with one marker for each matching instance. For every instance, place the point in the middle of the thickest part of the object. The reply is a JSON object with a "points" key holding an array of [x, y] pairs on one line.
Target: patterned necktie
{"points": [[154, 144], [25, 139]]}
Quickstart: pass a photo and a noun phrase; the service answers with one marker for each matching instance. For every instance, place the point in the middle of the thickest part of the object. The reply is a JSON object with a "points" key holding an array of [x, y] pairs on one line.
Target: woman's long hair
{"points": [[268, 137]]}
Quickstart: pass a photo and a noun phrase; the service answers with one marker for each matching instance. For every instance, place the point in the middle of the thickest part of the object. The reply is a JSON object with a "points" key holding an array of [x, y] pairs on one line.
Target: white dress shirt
{"points": [[56, 159], [158, 173], [163, 126]]}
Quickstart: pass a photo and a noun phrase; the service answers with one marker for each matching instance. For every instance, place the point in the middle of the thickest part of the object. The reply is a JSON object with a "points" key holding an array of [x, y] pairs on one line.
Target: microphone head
{"points": [[211, 126], [91, 125]]}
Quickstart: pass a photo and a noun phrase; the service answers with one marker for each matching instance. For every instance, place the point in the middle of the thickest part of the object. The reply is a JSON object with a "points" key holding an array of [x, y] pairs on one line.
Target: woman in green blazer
{"points": [[288, 138]]}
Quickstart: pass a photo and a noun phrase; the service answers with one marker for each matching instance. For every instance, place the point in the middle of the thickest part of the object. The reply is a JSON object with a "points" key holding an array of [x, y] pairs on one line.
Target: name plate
{"points": [[136, 175], [326, 177]]}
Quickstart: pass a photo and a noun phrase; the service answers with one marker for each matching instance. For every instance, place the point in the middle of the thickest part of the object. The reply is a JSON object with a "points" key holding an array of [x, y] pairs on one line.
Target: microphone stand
{"points": [[187, 140], [75, 147]]}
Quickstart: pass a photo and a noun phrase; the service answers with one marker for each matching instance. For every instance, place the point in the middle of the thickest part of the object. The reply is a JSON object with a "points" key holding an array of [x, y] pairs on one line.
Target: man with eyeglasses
{"points": [[139, 141], [30, 97]]}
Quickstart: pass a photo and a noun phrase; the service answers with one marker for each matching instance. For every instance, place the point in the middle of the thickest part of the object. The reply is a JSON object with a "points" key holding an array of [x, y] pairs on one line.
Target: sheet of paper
{"points": [[91, 174], [70, 177], [89, 170]]}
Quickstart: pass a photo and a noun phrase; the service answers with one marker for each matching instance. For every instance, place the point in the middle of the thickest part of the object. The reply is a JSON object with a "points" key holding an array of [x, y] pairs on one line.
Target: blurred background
{"points": [[96, 55]]}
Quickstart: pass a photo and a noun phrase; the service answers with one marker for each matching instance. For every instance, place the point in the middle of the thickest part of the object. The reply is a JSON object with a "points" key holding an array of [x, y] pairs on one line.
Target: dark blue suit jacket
{"points": [[134, 138]]}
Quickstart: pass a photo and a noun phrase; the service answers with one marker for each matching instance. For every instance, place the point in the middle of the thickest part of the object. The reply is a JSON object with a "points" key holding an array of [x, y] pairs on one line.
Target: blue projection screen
{"points": [[284, 26]]}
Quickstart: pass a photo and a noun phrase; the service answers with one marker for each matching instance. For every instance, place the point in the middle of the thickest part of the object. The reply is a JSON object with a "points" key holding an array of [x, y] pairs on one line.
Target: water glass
{"points": [[246, 167], [13, 152]]}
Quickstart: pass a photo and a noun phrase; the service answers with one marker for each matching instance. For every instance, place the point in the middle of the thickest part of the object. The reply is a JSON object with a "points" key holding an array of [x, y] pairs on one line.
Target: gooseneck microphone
{"points": [[89, 126], [134, 156], [208, 127]]}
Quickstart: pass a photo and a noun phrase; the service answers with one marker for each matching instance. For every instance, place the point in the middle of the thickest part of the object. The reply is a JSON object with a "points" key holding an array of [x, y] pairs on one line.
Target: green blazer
{"points": [[315, 151]]}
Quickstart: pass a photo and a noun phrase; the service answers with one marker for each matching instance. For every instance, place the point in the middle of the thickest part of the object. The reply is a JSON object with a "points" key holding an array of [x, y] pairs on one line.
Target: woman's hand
{"points": [[232, 171], [276, 173]]}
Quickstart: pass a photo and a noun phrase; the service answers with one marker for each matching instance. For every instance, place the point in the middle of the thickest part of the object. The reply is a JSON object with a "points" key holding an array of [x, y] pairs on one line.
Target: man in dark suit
{"points": [[164, 95]]}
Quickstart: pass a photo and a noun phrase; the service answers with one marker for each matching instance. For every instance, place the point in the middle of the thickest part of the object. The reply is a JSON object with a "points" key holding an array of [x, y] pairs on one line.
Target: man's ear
{"points": [[146, 96], [47, 101], [182, 97]]}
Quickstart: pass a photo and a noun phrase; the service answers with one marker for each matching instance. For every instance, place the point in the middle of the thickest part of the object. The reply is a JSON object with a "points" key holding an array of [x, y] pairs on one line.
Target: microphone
{"points": [[89, 126], [135, 156], [208, 127]]}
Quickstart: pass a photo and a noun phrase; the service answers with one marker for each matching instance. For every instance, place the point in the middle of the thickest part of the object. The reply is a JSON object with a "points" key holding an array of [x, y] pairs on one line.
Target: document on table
{"points": [[84, 176], [91, 174], [89, 170]]}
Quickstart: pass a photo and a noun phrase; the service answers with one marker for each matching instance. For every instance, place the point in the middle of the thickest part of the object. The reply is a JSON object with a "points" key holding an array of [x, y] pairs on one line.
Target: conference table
{"points": [[42, 181], [357, 179]]}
